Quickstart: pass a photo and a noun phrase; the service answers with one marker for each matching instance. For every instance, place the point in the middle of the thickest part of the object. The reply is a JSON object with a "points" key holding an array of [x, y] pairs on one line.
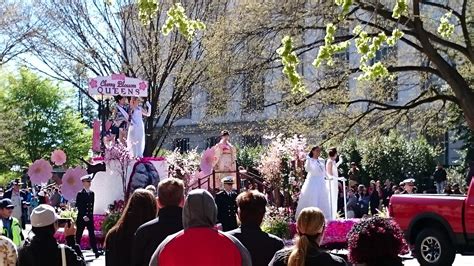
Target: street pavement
{"points": [[460, 261], [409, 261]]}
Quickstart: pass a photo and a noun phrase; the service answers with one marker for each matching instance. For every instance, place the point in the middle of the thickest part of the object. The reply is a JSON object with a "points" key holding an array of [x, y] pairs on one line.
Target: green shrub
{"points": [[110, 221]]}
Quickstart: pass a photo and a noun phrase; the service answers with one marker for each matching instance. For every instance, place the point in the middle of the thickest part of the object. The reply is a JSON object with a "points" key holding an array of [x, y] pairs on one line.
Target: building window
{"points": [[344, 55], [182, 145], [252, 140], [253, 95], [212, 141], [185, 108], [382, 54]]}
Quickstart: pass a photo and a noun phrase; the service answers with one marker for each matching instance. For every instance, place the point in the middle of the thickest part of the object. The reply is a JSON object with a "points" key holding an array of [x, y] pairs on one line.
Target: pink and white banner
{"points": [[118, 84]]}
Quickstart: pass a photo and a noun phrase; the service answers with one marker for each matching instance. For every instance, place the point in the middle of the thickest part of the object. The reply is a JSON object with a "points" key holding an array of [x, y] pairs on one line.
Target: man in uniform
{"points": [[226, 205], [409, 185], [85, 218]]}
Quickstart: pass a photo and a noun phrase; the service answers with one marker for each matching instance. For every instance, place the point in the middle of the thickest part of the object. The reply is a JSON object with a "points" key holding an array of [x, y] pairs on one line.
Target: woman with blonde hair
{"points": [[306, 251]]}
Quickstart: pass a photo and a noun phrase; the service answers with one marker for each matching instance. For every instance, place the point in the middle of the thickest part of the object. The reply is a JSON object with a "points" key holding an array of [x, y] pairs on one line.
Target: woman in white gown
{"points": [[136, 130], [314, 192], [333, 181]]}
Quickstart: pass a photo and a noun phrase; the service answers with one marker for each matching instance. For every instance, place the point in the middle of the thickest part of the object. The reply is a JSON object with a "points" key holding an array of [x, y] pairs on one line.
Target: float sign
{"points": [[118, 84]]}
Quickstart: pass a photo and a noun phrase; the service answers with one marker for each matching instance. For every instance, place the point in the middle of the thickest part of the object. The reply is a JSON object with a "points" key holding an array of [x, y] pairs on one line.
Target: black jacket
{"points": [[314, 256], [227, 210], [262, 246], [85, 204], [8, 194], [24, 199], [150, 235], [46, 252], [440, 175]]}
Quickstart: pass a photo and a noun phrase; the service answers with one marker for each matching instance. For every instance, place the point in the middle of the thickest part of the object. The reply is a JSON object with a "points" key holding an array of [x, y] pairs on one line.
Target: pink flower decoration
{"points": [[93, 83], [40, 172], [72, 182], [207, 160], [142, 85], [58, 157]]}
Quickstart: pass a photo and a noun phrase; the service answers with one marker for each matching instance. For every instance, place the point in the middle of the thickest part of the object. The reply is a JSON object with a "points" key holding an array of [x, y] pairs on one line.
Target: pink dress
{"points": [[226, 156]]}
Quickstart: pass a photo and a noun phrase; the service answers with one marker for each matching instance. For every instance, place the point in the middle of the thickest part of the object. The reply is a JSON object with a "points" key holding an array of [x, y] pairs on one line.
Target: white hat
{"points": [[228, 180], [43, 215], [87, 178], [41, 193]]}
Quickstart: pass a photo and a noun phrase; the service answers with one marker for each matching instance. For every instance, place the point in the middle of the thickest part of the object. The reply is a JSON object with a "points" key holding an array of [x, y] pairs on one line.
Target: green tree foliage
{"points": [[127, 37], [431, 36], [249, 157], [37, 121], [290, 63], [392, 156], [178, 18]]}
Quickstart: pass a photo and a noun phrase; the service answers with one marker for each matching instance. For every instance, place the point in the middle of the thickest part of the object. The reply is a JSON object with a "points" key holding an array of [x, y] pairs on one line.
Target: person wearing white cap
{"points": [[408, 186], [85, 213], [43, 249], [227, 205]]}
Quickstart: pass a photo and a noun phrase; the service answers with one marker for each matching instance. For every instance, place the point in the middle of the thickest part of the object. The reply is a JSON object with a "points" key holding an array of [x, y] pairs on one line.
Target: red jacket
{"points": [[199, 244], [188, 248]]}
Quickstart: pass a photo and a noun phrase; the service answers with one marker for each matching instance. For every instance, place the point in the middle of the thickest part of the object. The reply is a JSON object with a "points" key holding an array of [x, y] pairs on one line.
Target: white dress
{"points": [[333, 186], [136, 134], [314, 192]]}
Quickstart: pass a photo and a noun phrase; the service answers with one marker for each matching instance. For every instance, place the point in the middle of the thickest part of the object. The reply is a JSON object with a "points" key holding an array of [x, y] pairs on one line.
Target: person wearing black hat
{"points": [[11, 227], [85, 213], [227, 205], [18, 199]]}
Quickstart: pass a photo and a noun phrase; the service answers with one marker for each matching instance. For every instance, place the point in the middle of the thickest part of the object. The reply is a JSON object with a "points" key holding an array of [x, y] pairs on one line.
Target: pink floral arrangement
{"points": [[58, 157], [184, 166], [84, 244], [72, 182], [40, 172], [119, 153], [337, 230]]}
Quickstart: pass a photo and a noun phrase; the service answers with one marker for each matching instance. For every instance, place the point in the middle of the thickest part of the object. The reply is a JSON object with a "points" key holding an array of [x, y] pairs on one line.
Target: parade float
{"points": [[117, 172]]}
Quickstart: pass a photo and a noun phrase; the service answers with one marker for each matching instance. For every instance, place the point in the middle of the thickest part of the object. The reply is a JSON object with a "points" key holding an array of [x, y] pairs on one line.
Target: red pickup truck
{"points": [[436, 226]]}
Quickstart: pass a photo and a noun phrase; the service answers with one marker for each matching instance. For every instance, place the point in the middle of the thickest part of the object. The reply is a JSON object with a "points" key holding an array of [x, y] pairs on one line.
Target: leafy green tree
{"points": [[396, 158], [404, 82], [440, 45], [37, 121], [129, 37]]}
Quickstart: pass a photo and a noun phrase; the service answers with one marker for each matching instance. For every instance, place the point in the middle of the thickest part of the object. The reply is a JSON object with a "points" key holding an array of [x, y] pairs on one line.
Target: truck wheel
{"points": [[433, 247]]}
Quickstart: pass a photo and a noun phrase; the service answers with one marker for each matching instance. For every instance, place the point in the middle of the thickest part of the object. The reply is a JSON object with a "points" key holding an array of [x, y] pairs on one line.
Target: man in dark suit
{"points": [[226, 205], [85, 215], [169, 221], [262, 246]]}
